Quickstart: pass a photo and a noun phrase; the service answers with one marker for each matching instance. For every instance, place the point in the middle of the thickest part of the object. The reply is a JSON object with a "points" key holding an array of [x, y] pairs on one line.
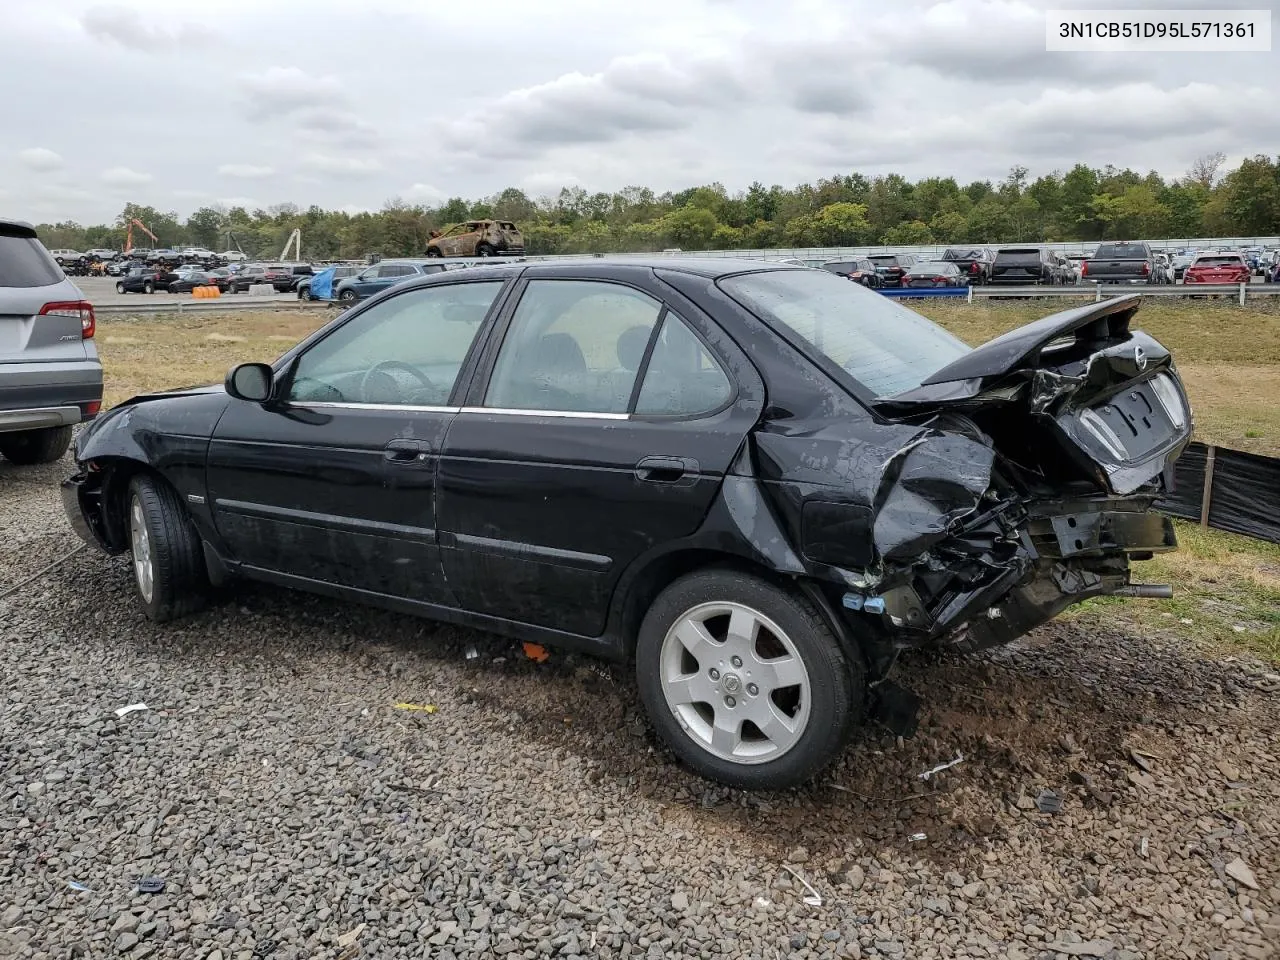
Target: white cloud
{"points": [[350, 166], [249, 203], [245, 171], [281, 90], [124, 177], [127, 27], [424, 192], [40, 159]]}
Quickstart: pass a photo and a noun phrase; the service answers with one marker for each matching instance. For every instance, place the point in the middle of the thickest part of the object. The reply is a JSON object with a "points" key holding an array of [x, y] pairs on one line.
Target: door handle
{"points": [[406, 451], [666, 469]]}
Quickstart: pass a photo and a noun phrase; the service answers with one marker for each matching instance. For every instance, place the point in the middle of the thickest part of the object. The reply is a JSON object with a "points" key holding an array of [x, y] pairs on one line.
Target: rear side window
{"points": [[683, 379], [24, 262], [573, 345]]}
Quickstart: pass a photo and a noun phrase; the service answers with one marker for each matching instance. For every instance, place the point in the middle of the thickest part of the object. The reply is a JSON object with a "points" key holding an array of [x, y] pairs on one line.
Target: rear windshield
{"points": [[885, 260], [1018, 256], [1226, 260], [840, 266], [1122, 251], [934, 266], [24, 262], [881, 346]]}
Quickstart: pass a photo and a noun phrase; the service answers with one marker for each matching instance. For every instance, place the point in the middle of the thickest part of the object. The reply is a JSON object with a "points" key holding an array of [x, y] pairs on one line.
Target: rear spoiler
{"points": [[1021, 348]]}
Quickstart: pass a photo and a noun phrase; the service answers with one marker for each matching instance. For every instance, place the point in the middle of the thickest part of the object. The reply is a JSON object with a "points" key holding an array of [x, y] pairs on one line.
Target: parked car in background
{"points": [[861, 271], [101, 254], [891, 267], [285, 277], [935, 273], [1218, 268], [233, 256], [247, 276], [1030, 265], [340, 272], [1180, 262], [380, 276], [1122, 261], [64, 257], [137, 279], [477, 238], [1076, 262], [50, 375], [973, 262], [198, 278], [1163, 268], [584, 454]]}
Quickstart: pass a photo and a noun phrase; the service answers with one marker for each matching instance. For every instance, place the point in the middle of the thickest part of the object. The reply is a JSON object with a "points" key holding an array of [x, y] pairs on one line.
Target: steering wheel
{"points": [[392, 365]]}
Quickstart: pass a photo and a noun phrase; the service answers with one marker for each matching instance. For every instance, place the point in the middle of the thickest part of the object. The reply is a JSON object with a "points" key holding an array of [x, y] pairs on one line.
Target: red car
{"points": [[1217, 268]]}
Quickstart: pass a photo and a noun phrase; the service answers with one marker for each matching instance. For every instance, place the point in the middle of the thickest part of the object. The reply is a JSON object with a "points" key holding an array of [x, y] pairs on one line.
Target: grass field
{"points": [[1227, 587]]}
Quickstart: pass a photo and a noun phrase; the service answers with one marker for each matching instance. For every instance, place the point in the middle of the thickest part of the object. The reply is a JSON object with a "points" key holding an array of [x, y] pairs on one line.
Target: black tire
{"points": [[837, 683], [348, 296], [434, 252], [119, 288], [44, 445], [304, 293], [180, 583], [485, 250], [148, 287]]}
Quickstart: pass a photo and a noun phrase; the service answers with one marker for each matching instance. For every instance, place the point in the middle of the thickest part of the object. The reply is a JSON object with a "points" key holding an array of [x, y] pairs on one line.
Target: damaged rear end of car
{"points": [[969, 495], [1071, 426]]}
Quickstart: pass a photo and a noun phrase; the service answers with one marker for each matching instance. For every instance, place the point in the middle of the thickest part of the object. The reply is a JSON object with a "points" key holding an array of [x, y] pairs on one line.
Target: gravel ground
{"points": [[294, 812]]}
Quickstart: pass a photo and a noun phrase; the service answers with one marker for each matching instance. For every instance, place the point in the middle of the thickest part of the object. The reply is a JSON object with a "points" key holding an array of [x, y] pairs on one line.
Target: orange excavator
{"points": [[128, 236]]}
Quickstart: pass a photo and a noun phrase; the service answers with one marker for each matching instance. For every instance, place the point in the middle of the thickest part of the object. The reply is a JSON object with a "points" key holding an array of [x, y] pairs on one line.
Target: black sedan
{"points": [[757, 483], [934, 273], [187, 282], [861, 271]]}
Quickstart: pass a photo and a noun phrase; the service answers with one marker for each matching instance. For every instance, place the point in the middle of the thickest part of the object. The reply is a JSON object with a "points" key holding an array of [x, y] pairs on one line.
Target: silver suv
{"points": [[50, 375]]}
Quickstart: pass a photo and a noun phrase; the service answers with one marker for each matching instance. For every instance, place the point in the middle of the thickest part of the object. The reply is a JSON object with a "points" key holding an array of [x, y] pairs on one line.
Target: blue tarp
{"points": [[322, 284]]}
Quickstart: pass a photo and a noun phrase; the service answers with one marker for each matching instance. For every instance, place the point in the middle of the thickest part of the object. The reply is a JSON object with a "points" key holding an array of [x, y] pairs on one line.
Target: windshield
{"points": [[883, 347]]}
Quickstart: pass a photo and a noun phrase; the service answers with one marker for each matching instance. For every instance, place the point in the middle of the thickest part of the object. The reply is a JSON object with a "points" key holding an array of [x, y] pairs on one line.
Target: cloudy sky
{"points": [[347, 104]]}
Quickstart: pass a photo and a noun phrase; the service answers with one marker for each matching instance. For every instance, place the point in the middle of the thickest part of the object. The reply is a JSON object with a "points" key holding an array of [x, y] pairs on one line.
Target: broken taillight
{"points": [[73, 308]]}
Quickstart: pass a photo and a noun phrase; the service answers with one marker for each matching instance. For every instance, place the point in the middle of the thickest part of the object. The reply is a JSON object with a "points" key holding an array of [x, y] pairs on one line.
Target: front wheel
{"points": [[44, 445], [485, 250], [348, 296], [168, 560], [745, 681], [434, 252], [119, 288], [148, 287]]}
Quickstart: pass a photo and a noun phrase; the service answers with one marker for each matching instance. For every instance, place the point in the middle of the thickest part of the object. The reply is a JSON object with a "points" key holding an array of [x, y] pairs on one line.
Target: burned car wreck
{"points": [[758, 483]]}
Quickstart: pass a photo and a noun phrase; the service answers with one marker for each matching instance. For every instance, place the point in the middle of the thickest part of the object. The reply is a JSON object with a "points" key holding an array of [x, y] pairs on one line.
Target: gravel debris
{"points": [[295, 813]]}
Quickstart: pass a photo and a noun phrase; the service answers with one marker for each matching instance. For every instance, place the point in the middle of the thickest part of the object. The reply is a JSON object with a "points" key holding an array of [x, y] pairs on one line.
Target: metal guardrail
{"points": [[1242, 292], [216, 305]]}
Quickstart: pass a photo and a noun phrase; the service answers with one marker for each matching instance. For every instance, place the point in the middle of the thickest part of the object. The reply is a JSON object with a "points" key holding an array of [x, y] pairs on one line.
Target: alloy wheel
{"points": [[735, 682]]}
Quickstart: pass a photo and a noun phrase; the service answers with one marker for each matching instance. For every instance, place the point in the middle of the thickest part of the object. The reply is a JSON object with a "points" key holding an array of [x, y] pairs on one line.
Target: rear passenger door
{"points": [[599, 427]]}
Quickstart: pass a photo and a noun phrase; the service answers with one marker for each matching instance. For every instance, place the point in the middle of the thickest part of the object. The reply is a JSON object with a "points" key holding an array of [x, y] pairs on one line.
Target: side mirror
{"points": [[250, 381]]}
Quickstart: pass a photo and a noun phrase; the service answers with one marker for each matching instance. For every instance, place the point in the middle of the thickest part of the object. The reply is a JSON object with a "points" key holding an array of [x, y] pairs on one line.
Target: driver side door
{"points": [[334, 483]]}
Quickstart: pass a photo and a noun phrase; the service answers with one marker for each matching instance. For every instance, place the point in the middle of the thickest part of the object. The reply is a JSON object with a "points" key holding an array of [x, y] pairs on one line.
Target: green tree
{"points": [[912, 233], [841, 225], [203, 227]]}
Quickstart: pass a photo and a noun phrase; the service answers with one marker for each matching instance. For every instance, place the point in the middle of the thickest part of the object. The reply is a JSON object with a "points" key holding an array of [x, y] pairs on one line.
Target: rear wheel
{"points": [[148, 287], [168, 561], [348, 296], [119, 288], [35, 446], [745, 681]]}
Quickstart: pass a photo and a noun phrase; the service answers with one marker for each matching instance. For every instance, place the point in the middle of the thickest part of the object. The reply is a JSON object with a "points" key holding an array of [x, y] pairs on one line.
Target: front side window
{"points": [[574, 346], [407, 350], [882, 346]]}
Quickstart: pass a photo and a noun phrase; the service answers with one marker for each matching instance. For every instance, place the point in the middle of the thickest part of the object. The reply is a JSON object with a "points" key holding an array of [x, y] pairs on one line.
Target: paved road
{"points": [[102, 290]]}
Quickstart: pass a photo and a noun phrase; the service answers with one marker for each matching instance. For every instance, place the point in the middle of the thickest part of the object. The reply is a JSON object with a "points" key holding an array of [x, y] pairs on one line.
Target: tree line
{"points": [[1084, 204]]}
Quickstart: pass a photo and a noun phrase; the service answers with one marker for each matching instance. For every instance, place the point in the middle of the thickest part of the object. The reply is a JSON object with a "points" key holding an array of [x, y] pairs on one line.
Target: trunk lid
{"points": [[1075, 393]]}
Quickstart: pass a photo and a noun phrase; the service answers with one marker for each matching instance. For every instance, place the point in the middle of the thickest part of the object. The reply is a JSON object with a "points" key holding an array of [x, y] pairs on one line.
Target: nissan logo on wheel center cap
{"points": [[1140, 358], [731, 683]]}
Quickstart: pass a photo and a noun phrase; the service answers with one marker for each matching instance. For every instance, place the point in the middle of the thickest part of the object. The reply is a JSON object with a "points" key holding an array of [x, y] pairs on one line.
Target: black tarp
{"points": [[1245, 497]]}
